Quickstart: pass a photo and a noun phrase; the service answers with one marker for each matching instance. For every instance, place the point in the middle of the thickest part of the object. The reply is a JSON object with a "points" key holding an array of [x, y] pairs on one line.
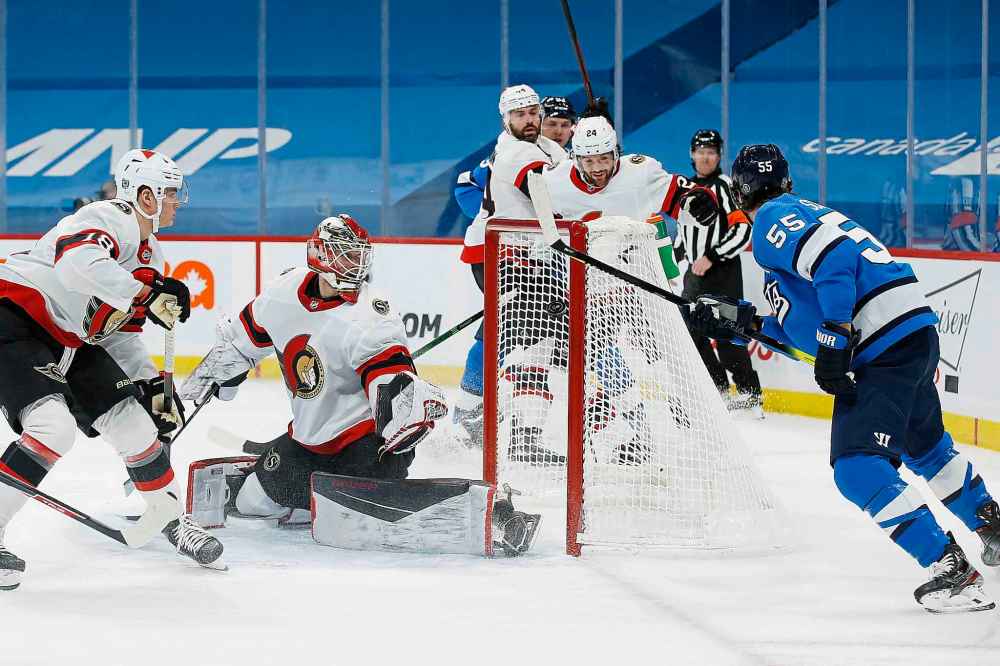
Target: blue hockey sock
{"points": [[874, 485], [951, 477], [472, 378]]}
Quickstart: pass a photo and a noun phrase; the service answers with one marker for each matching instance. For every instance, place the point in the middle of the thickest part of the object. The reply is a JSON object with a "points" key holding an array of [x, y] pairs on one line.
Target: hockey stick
{"points": [[579, 52], [168, 370], [543, 209], [447, 334], [133, 536]]}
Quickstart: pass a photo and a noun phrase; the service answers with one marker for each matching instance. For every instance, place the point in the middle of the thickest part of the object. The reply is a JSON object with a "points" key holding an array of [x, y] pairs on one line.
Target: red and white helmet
{"points": [[138, 168], [340, 250]]}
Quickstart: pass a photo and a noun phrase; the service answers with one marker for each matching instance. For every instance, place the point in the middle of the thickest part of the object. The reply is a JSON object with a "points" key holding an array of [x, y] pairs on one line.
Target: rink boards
{"points": [[432, 290]]}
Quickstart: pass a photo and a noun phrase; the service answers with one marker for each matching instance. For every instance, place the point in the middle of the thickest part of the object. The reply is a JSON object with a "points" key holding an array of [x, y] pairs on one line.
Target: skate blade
{"points": [[968, 601], [10, 580]]}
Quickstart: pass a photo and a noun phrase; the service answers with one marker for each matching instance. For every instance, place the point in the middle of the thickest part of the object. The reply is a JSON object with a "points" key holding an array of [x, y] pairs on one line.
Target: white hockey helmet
{"points": [[340, 250], [517, 97], [138, 168], [594, 136]]}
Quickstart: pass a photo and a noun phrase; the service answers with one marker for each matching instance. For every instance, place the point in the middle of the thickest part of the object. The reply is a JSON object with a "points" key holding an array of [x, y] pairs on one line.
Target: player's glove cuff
{"points": [[834, 355]]}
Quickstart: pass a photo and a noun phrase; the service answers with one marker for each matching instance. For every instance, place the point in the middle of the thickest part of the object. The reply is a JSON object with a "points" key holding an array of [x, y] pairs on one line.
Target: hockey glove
{"points": [[152, 402], [599, 107], [700, 204], [722, 318], [166, 300], [833, 360], [405, 411]]}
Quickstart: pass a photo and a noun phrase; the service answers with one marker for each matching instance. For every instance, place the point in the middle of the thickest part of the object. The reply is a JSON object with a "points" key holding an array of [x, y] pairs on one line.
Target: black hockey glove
{"points": [[700, 204], [599, 107], [722, 318], [167, 300], [833, 360], [152, 401]]}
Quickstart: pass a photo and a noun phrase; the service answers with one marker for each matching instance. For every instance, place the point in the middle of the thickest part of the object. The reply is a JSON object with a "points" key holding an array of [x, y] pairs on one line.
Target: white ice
{"points": [[840, 594]]}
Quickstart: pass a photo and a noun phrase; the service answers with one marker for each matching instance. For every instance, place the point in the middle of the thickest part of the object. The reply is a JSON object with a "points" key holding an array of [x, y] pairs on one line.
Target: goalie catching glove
{"points": [[406, 408], [722, 318]]}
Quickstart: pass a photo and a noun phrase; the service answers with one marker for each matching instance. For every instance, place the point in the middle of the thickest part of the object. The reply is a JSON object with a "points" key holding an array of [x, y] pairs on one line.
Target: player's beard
{"points": [[523, 133], [605, 176]]}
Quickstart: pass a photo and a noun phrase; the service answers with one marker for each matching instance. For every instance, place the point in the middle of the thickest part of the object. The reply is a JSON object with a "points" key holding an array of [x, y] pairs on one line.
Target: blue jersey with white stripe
{"points": [[470, 187], [822, 266]]}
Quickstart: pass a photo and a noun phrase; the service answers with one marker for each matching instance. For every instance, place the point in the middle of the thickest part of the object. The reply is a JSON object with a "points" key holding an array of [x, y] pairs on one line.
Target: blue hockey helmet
{"points": [[760, 172]]}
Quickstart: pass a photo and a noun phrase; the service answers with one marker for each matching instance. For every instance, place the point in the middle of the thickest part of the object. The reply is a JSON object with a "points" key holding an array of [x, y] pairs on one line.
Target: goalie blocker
{"points": [[434, 516]]}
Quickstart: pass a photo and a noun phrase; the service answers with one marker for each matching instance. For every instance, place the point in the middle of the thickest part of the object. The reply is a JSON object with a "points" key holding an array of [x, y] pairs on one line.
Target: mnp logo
{"points": [[199, 279]]}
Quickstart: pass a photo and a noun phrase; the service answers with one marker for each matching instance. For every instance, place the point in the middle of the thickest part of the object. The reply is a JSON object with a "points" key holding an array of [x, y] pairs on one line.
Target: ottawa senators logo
{"points": [[302, 368], [637, 159], [380, 306]]}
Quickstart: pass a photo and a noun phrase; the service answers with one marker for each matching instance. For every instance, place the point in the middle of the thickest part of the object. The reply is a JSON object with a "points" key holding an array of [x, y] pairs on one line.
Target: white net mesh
{"points": [[663, 463]]}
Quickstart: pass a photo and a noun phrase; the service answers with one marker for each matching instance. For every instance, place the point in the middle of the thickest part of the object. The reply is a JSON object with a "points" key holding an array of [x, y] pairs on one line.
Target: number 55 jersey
{"points": [[822, 266]]}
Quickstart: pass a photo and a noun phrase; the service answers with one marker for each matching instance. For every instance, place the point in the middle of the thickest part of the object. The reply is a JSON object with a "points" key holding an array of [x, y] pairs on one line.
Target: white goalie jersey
{"points": [[79, 276], [333, 355]]}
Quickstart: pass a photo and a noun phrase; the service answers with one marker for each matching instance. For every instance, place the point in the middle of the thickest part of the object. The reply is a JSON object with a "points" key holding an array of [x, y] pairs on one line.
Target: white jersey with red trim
{"points": [[332, 353], [79, 270], [638, 189], [506, 193]]}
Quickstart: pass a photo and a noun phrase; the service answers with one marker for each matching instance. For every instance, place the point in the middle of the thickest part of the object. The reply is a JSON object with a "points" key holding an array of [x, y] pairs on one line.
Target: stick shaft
{"points": [[61, 507], [579, 52], [169, 341], [447, 334]]}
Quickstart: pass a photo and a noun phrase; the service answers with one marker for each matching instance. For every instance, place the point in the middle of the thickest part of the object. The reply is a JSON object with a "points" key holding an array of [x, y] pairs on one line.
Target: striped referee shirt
{"points": [[723, 238]]}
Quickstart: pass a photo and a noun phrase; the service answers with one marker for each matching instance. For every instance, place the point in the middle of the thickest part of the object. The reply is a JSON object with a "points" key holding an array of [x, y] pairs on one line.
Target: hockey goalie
{"points": [[358, 412]]}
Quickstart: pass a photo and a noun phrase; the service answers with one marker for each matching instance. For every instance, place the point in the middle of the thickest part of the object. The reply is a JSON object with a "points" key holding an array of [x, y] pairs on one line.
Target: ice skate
{"points": [[470, 432], [955, 585], [11, 568], [191, 540], [747, 403], [513, 531], [990, 533], [524, 448]]}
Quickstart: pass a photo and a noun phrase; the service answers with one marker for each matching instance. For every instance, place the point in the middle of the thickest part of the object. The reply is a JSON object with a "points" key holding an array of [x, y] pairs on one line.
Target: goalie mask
{"points": [[147, 168], [340, 250]]}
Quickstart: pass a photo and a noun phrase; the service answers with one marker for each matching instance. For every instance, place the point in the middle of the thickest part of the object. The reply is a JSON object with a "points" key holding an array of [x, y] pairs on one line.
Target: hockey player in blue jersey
{"points": [[837, 293]]}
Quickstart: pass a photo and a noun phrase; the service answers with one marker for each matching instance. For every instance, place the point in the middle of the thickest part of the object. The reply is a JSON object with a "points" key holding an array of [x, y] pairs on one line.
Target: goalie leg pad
{"points": [[285, 468], [209, 489], [403, 515]]}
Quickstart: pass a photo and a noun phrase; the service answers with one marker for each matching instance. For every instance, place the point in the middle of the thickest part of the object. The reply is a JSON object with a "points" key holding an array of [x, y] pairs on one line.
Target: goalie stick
{"points": [[133, 536], [543, 209]]}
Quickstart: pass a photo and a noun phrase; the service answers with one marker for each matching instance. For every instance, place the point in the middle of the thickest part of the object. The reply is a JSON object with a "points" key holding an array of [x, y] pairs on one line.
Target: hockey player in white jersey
{"points": [[600, 182], [358, 407], [67, 362], [521, 148]]}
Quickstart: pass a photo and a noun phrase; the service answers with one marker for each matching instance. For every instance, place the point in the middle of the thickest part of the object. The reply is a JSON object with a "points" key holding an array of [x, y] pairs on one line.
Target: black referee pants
{"points": [[722, 279]]}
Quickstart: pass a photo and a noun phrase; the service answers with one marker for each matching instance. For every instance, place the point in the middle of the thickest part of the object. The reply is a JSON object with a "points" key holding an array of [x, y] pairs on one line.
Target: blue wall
{"points": [[197, 65]]}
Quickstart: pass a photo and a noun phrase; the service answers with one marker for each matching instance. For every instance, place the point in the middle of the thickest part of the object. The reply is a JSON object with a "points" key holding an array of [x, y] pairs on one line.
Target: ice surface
{"points": [[841, 594]]}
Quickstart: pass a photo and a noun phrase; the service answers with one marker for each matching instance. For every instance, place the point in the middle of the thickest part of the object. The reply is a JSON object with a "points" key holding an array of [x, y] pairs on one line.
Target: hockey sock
{"points": [[48, 433], [874, 485], [472, 378], [150, 469], [951, 477]]}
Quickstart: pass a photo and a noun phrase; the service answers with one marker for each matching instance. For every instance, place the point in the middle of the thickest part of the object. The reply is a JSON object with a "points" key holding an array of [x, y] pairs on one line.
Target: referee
{"points": [[713, 252]]}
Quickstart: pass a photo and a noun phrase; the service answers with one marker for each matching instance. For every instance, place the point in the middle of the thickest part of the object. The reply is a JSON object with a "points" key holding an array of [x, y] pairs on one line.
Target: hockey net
{"points": [[596, 397]]}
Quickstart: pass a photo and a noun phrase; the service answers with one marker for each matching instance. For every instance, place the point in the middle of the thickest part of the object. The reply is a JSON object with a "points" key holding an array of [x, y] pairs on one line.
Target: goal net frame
{"points": [[575, 234]]}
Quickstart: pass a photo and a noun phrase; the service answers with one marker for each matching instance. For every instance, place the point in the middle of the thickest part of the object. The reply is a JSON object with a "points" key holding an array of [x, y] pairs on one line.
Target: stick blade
{"points": [[542, 201]]}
